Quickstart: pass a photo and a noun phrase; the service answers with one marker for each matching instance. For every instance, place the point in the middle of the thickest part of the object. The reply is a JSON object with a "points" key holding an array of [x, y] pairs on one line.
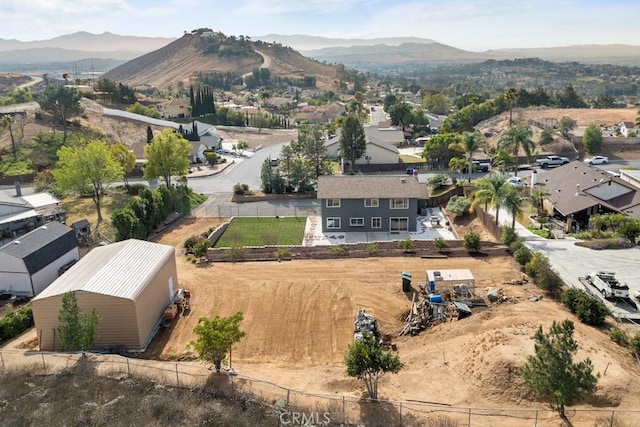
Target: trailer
{"points": [[608, 285]]}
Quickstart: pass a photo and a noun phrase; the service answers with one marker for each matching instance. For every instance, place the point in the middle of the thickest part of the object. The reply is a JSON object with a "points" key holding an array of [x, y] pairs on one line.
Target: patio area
{"points": [[428, 228]]}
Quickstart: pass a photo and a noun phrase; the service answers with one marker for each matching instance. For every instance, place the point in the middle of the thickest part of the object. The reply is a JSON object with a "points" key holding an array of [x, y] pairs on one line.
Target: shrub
{"points": [[406, 245], [459, 205], [438, 181], [440, 244], [16, 322], [240, 189], [508, 235], [282, 253], [372, 248], [236, 253], [341, 249], [600, 244], [523, 255], [200, 248], [472, 242], [588, 309], [515, 245], [619, 337], [539, 268], [190, 243], [634, 345]]}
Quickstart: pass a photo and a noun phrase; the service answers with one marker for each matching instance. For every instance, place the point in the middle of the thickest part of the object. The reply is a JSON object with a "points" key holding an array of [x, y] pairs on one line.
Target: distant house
{"points": [[19, 214], [381, 148], [176, 108], [362, 203], [31, 263], [577, 191], [626, 128]]}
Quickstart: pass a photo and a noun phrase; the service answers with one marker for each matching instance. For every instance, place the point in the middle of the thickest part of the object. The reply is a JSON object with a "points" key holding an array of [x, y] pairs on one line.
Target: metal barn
{"points": [[129, 284]]}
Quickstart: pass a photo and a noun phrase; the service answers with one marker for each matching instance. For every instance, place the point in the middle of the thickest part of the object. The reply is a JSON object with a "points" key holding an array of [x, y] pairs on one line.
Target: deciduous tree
{"points": [[167, 155], [592, 139], [314, 150], [88, 168], [551, 372], [61, 103], [125, 158], [216, 337], [566, 125], [366, 361]]}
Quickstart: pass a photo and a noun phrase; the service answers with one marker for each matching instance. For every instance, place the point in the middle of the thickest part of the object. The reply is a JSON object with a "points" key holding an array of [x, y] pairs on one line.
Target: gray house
{"points": [[363, 203]]}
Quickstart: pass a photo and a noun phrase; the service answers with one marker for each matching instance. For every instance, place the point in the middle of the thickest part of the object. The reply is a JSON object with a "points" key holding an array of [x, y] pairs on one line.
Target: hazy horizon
{"points": [[475, 25]]}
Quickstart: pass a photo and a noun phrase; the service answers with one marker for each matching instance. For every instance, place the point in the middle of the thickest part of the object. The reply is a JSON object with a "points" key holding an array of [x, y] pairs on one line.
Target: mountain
{"points": [[204, 51], [88, 42], [305, 43], [382, 54], [619, 54]]}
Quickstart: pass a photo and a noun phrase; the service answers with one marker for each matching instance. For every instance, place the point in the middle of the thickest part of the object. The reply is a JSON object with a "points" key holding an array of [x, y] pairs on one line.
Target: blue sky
{"points": [[467, 24]]}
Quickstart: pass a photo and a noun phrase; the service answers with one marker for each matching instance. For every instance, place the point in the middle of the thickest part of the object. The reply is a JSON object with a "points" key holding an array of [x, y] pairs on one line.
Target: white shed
{"points": [[30, 263], [128, 283]]}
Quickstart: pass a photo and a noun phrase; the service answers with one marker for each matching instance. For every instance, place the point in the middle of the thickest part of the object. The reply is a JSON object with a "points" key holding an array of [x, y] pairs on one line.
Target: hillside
{"points": [[193, 53]]}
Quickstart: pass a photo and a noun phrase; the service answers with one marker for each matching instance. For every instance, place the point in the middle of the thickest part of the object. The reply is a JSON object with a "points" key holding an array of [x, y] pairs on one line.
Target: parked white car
{"points": [[516, 181], [597, 160]]}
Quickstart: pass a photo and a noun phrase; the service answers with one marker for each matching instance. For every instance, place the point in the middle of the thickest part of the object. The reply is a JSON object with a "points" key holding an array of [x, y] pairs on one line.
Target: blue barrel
{"points": [[435, 298], [432, 286]]}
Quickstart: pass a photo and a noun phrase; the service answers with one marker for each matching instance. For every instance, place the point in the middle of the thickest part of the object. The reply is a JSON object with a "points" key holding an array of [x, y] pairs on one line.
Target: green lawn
{"points": [[263, 232]]}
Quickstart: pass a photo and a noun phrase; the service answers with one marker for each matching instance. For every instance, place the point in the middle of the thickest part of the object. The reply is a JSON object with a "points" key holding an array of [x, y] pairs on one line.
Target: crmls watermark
{"points": [[305, 418]]}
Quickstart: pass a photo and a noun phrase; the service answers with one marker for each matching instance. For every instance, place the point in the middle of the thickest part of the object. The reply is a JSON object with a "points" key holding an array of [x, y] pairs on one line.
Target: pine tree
{"points": [[149, 134], [76, 330]]}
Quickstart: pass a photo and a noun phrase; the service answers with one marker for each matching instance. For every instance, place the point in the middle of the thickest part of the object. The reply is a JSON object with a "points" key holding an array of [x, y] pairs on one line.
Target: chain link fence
{"points": [[295, 407]]}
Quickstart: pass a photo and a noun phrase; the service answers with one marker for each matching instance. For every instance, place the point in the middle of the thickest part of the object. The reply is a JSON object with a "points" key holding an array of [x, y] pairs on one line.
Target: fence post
{"points": [[219, 215], [613, 413], [536, 423], [469, 422], [177, 376], [344, 414], [288, 393], [128, 368], [400, 414], [44, 365], [2, 360]]}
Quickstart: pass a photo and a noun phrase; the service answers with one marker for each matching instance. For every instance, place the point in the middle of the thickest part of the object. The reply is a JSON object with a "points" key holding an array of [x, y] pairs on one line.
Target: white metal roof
{"points": [[39, 200], [121, 269]]}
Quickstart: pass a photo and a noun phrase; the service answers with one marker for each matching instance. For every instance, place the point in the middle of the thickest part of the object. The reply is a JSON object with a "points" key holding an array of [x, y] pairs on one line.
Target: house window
{"points": [[371, 203], [399, 203], [333, 222], [376, 222], [356, 222], [333, 203], [398, 224]]}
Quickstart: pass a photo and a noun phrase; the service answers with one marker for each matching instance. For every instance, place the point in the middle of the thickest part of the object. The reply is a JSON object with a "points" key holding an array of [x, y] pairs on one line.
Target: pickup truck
{"points": [[479, 166], [551, 161]]}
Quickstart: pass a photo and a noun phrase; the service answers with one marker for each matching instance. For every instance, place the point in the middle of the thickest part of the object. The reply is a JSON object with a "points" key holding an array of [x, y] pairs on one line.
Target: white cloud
{"points": [[277, 7]]}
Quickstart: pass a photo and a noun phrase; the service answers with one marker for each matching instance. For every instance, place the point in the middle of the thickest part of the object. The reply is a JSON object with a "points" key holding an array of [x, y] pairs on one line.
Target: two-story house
{"points": [[364, 203]]}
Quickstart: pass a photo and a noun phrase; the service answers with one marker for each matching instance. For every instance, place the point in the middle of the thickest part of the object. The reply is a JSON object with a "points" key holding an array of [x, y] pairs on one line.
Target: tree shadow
{"points": [[381, 413]]}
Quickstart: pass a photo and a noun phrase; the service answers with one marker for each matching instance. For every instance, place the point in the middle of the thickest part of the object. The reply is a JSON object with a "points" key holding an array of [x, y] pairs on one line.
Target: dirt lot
{"points": [[299, 321]]}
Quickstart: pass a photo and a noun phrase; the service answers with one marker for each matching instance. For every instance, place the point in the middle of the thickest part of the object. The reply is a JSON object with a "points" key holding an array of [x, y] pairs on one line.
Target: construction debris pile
{"points": [[430, 311]]}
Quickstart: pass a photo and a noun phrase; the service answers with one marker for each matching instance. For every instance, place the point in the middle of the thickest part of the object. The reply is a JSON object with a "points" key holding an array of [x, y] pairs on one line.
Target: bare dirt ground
{"points": [[299, 321]]}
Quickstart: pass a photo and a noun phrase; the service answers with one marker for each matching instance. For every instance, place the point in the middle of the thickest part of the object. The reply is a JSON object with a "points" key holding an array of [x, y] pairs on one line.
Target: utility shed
{"points": [[447, 279], [30, 263], [129, 284]]}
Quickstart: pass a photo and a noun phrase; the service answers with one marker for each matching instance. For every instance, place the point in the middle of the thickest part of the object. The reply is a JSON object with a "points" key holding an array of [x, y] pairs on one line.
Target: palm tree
{"points": [[538, 196], [517, 136], [491, 191], [511, 95], [513, 202], [457, 164], [468, 144], [503, 161]]}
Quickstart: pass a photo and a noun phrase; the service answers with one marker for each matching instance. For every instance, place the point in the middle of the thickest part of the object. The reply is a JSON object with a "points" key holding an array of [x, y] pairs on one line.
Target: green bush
{"points": [[634, 345], [236, 253], [438, 181], [16, 322], [471, 242], [341, 249], [240, 189], [282, 253], [406, 245], [440, 244], [539, 268], [516, 245], [619, 337], [200, 249], [523, 255], [587, 308], [508, 235], [190, 243], [372, 248], [459, 205]]}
